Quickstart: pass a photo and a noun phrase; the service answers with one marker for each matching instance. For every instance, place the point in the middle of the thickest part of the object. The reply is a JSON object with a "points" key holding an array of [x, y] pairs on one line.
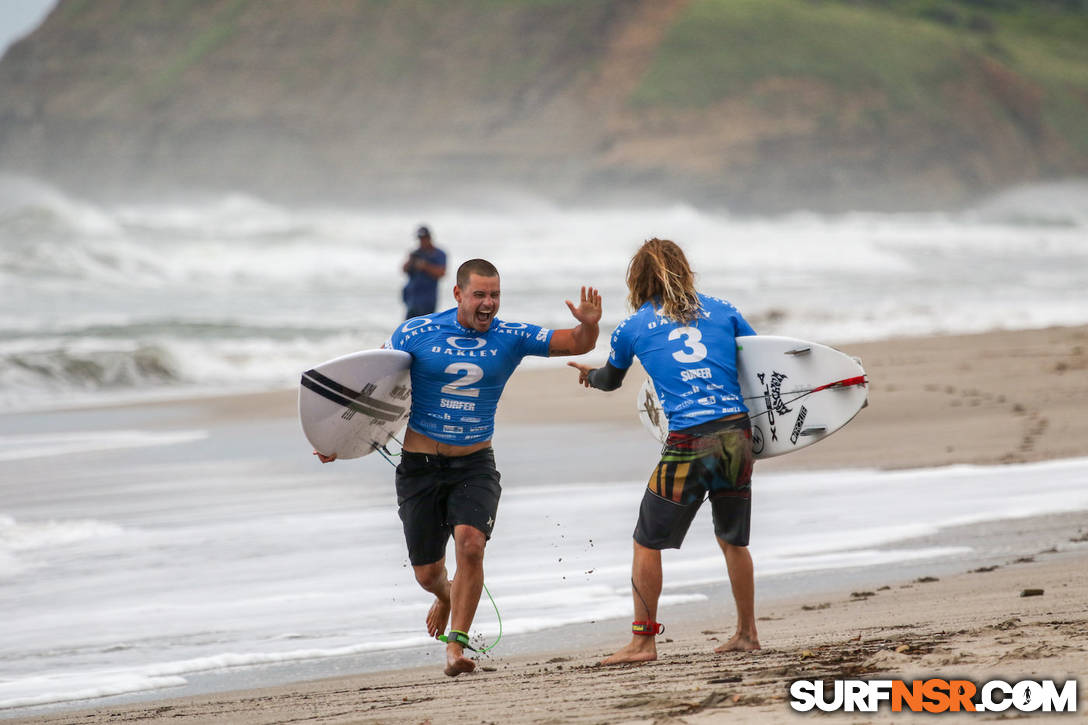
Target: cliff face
{"points": [[750, 104]]}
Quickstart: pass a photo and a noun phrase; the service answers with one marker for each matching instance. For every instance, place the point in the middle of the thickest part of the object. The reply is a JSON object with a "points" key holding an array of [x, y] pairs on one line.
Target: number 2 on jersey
{"points": [[469, 373]]}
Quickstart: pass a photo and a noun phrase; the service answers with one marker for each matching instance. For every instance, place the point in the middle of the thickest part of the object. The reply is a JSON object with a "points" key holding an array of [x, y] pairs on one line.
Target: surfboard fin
{"points": [[799, 351], [814, 430]]}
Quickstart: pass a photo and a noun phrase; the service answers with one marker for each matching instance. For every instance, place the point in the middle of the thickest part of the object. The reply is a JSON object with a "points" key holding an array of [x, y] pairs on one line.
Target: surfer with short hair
{"points": [[447, 483], [686, 342]]}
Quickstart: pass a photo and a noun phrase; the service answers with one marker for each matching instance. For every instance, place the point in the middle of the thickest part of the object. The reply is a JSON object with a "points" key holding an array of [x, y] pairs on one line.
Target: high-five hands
{"points": [[588, 310], [583, 372]]}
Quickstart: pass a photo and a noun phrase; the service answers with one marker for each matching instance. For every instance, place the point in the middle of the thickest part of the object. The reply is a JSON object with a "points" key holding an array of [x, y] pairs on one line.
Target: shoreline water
{"points": [[1016, 397], [971, 624]]}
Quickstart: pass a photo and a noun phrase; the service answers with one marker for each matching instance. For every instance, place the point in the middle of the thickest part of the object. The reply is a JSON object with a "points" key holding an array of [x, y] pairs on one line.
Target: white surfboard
{"points": [[353, 405], [797, 393]]}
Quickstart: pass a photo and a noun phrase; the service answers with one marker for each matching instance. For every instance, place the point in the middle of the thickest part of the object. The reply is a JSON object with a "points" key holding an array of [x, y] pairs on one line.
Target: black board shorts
{"points": [[712, 460], [436, 493]]}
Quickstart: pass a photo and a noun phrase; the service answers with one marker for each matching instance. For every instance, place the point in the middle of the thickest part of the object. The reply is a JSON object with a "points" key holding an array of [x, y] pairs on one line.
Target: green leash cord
{"points": [[461, 638], [458, 636]]}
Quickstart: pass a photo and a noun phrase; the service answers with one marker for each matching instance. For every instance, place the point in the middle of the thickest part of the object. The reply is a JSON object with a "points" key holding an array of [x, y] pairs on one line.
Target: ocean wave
{"points": [[21, 447], [231, 291], [30, 208], [1059, 204], [180, 328], [73, 368], [51, 689], [47, 235], [71, 363], [47, 689], [232, 216], [20, 537], [27, 260]]}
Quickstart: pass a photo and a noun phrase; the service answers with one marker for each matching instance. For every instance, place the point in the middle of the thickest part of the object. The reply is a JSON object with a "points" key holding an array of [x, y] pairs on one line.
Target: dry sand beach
{"points": [[994, 398]]}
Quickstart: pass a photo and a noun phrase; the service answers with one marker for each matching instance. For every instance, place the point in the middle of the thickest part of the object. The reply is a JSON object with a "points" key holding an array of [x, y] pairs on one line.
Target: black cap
{"points": [[423, 232]]}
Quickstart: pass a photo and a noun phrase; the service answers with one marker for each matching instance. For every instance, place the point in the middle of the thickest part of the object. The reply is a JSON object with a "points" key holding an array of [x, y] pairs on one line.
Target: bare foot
{"points": [[456, 662], [739, 643], [641, 649], [437, 617]]}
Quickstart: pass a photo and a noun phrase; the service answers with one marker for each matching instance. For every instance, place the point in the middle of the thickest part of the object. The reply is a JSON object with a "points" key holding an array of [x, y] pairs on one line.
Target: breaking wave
{"points": [[233, 292]]}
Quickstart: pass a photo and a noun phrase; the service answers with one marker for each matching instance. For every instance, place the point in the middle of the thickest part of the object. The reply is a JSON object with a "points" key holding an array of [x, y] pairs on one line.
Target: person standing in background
{"points": [[424, 267]]}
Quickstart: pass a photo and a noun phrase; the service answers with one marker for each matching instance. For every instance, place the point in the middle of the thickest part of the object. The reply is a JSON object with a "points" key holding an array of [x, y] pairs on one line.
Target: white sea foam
{"points": [[237, 571], [23, 537], [19, 447], [26, 546], [235, 292], [51, 689], [133, 576]]}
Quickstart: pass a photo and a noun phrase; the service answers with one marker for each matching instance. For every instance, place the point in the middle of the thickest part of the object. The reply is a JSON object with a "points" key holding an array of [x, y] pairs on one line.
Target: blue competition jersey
{"points": [[458, 373], [694, 367]]}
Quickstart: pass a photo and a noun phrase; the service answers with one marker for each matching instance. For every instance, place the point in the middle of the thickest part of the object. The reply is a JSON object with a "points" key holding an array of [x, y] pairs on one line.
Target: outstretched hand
{"points": [[580, 339], [588, 311], [583, 373], [325, 459]]}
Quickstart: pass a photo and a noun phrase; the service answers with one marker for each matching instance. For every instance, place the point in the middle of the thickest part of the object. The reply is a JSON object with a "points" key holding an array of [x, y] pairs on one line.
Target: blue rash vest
{"points": [[458, 374], [694, 367]]}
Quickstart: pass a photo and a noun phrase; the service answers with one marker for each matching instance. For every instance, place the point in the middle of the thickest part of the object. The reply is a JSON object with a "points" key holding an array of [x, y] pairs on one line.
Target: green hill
{"points": [[750, 104]]}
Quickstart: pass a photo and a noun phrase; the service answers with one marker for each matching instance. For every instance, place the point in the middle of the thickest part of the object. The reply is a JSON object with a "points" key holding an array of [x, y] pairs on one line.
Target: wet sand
{"points": [[974, 625], [1003, 397]]}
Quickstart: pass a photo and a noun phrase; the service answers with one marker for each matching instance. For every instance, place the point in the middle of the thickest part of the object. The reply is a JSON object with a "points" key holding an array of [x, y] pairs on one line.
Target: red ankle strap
{"points": [[647, 629]]}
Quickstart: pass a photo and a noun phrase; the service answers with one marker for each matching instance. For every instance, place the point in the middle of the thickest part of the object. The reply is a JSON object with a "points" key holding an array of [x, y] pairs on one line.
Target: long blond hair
{"points": [[659, 271]]}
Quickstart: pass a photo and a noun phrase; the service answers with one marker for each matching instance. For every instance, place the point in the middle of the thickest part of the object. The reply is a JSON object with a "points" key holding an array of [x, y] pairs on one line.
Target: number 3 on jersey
{"points": [[690, 342], [469, 374]]}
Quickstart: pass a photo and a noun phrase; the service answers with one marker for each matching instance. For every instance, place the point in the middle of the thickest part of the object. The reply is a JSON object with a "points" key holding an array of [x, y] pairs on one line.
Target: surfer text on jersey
{"points": [[459, 374], [694, 367]]}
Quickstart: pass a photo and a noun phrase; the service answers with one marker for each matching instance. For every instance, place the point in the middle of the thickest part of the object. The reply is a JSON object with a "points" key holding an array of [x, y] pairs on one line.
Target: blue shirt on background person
{"points": [[425, 266]]}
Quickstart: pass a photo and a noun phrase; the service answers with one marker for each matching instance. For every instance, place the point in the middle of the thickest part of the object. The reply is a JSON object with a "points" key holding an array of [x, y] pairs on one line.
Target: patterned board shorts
{"points": [[711, 460]]}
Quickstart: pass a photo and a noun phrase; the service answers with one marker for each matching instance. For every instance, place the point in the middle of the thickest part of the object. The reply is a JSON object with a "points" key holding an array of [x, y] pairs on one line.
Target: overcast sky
{"points": [[19, 17]]}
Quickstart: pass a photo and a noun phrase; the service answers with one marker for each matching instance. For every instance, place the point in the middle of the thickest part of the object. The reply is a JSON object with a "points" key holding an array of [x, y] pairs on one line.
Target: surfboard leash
{"points": [[386, 454], [485, 650], [462, 637], [458, 636], [804, 393], [384, 451]]}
